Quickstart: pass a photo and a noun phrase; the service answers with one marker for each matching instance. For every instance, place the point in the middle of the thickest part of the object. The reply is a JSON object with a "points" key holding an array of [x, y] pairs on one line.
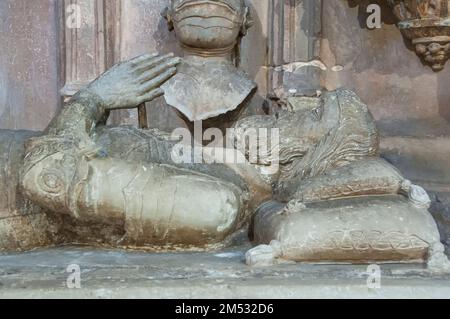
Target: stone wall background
{"points": [[380, 66], [377, 64], [30, 49], [29, 63]]}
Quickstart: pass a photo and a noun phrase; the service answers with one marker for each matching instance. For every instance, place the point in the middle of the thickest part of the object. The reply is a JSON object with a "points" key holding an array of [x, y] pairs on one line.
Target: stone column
{"points": [[90, 40], [294, 47]]}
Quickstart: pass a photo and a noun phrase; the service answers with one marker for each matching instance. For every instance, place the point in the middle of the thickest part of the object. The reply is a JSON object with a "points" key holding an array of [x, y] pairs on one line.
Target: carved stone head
{"points": [[426, 24], [208, 84], [210, 25]]}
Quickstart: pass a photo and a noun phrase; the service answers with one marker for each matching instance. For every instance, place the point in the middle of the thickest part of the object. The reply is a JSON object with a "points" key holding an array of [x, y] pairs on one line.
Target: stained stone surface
{"points": [[351, 230], [377, 65], [202, 90], [440, 210], [29, 60], [222, 274], [49, 180], [418, 148]]}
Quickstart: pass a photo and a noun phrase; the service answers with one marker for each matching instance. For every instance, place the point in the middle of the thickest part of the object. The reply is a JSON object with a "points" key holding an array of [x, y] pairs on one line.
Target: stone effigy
{"points": [[332, 198]]}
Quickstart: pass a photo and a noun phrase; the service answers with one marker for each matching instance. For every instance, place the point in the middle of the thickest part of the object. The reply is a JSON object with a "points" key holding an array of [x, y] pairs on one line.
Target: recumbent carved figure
{"points": [[332, 199]]}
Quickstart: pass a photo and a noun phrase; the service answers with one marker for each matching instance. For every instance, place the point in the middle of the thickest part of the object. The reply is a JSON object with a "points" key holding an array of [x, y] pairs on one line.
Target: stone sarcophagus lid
{"points": [[427, 24]]}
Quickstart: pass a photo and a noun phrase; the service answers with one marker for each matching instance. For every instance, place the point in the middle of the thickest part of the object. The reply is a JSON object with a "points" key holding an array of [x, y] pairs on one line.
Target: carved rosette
{"points": [[427, 24]]}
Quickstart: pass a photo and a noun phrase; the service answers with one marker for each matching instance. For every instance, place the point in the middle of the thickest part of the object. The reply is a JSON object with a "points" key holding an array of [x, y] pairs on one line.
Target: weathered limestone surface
{"points": [[23, 226], [329, 150], [352, 230], [408, 100], [118, 274], [203, 90], [377, 65], [441, 213], [29, 63], [425, 24]]}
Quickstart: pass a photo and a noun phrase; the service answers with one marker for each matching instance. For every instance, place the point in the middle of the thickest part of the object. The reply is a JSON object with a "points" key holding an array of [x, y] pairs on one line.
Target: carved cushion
{"points": [[357, 230], [372, 176]]}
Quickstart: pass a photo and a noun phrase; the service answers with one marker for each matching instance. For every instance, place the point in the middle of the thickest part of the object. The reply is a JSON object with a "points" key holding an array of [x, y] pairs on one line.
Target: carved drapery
{"points": [[427, 24]]}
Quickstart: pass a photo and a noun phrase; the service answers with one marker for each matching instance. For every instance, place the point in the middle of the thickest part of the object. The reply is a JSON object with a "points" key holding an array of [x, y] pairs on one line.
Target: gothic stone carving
{"points": [[427, 24], [332, 199]]}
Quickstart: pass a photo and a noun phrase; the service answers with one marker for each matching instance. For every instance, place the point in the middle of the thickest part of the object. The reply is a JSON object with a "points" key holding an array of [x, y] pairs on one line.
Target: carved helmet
{"points": [[208, 24]]}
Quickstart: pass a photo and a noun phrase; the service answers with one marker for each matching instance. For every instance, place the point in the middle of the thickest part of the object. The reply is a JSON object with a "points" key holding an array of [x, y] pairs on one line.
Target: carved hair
{"points": [[353, 138]]}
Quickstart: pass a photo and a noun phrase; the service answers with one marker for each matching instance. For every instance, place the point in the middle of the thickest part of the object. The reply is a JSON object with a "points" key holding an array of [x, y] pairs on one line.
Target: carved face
{"points": [[208, 24], [434, 53]]}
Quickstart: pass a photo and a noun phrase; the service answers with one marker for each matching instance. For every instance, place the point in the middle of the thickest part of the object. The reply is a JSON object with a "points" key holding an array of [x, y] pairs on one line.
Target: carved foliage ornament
{"points": [[427, 24]]}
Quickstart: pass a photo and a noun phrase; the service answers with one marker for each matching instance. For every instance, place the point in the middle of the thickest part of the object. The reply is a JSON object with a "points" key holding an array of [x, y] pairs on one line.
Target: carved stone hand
{"points": [[128, 84]]}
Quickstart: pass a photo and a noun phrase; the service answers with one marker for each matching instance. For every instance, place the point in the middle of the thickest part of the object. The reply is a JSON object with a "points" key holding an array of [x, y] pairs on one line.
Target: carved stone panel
{"points": [[427, 24]]}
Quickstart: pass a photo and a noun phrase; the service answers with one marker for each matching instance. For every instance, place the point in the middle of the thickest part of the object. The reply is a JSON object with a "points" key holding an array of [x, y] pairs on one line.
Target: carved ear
{"points": [[167, 14], [248, 21]]}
